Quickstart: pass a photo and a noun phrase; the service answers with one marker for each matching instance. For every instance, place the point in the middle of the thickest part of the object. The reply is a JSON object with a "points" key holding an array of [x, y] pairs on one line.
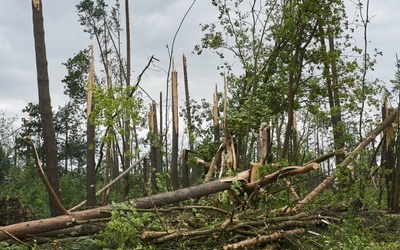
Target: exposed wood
{"points": [[202, 162], [21, 230], [229, 145], [46, 113], [259, 229], [214, 164], [254, 171], [324, 184], [282, 173], [155, 144], [175, 129], [264, 239]]}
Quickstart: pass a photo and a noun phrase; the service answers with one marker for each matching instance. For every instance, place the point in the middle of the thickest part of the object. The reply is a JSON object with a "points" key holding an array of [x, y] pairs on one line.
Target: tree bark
{"points": [[127, 123], [155, 150], [30, 228], [21, 230], [50, 144], [174, 153], [324, 184], [90, 142]]}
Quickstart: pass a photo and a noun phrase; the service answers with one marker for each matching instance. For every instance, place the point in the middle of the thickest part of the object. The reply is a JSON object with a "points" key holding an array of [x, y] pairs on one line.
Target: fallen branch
{"points": [[21, 230], [264, 239], [46, 182], [15, 238], [324, 184], [109, 185], [282, 173]]}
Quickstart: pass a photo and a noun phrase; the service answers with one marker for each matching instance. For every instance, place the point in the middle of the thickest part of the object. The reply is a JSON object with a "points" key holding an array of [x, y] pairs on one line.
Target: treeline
{"points": [[298, 88]]}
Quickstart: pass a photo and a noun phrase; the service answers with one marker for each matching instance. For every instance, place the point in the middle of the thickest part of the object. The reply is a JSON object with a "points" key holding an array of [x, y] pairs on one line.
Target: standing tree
{"points": [[46, 113], [90, 142]]}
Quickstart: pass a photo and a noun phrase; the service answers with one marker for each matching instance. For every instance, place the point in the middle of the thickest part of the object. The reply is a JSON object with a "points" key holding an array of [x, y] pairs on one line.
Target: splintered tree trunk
{"points": [[46, 113], [388, 155], [393, 164], [189, 120], [351, 156], [174, 156], [187, 97], [54, 225], [90, 143], [21, 230], [155, 151]]}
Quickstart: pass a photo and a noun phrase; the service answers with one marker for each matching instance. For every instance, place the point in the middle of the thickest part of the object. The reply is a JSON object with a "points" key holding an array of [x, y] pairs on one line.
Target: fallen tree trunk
{"points": [[265, 238], [21, 230], [329, 180]]}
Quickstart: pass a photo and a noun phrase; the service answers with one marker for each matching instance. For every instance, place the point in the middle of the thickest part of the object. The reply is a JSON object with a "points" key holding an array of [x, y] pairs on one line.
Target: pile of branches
{"points": [[254, 228], [246, 231]]}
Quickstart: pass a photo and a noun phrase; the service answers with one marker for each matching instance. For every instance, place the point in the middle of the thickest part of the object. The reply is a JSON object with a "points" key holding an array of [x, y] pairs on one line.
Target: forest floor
{"points": [[326, 228]]}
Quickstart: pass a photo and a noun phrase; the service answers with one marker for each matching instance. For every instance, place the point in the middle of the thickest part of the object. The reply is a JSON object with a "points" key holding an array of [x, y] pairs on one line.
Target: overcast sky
{"points": [[154, 23]]}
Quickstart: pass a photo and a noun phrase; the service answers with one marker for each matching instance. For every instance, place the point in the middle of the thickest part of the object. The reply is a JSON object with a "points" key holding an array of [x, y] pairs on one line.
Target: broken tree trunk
{"points": [[21, 230], [175, 131], [324, 184]]}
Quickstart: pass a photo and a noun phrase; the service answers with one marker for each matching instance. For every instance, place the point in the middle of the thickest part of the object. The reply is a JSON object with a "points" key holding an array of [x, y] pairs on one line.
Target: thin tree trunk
{"points": [[160, 139], [185, 168], [331, 82], [127, 124], [187, 97], [174, 156], [30, 228], [46, 114], [66, 139], [396, 180], [351, 156], [155, 152], [90, 143], [337, 114], [291, 96], [215, 116], [107, 171]]}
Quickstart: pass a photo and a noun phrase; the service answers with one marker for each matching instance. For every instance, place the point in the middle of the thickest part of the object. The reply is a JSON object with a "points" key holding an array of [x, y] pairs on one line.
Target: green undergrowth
{"points": [[341, 220], [349, 230]]}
